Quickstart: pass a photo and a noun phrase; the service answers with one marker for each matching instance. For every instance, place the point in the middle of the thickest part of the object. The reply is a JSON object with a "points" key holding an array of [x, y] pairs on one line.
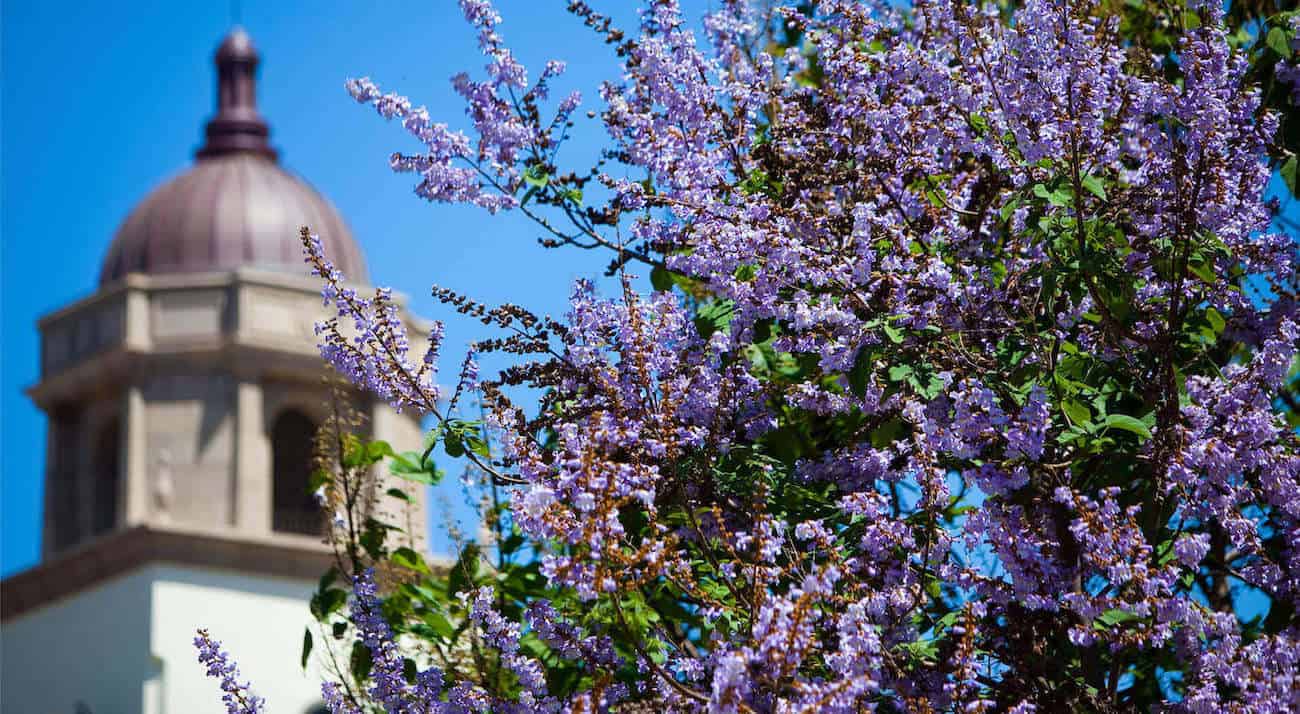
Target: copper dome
{"points": [[236, 206]]}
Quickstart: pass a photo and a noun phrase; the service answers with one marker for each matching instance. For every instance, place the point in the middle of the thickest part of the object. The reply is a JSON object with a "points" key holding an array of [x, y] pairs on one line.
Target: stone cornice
{"points": [[242, 276], [255, 323], [122, 551], [248, 356]]}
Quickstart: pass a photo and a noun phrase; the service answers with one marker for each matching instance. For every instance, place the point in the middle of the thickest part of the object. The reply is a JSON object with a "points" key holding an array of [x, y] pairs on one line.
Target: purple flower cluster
{"points": [[994, 289], [566, 640], [452, 170], [239, 697], [504, 637], [368, 341], [389, 686], [1288, 73]]}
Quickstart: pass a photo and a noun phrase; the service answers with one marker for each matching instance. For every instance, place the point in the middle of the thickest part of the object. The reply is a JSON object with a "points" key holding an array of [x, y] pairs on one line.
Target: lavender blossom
{"points": [[954, 270], [239, 697]]}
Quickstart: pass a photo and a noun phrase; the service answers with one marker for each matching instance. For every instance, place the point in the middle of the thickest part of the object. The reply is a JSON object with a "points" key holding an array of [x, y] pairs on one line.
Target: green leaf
{"points": [[757, 359], [513, 542], [409, 559], [319, 479], [1094, 186], [1113, 617], [357, 453], [933, 386], [1008, 209], [373, 537], [399, 494], [425, 477], [757, 182], [860, 374], [360, 662], [1058, 197], [414, 466], [465, 573], [947, 621], [1278, 41], [1203, 270], [785, 443], [899, 372], [477, 445], [887, 433], [1076, 412], [354, 451], [893, 333], [377, 450], [328, 579], [1288, 173], [661, 279], [439, 624], [306, 646], [536, 176], [714, 317], [1129, 424], [926, 650], [453, 446], [327, 602], [1217, 323]]}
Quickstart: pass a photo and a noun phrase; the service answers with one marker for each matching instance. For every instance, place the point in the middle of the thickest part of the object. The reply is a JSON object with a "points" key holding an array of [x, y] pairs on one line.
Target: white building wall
{"points": [[91, 650], [260, 621], [126, 645]]}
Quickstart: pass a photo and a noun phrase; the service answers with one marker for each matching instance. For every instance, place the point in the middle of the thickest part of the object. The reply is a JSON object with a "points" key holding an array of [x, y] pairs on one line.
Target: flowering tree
{"points": [[964, 385]]}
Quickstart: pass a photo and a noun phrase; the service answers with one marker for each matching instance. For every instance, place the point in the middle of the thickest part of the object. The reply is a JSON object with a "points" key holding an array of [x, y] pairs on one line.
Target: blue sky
{"points": [[103, 101]]}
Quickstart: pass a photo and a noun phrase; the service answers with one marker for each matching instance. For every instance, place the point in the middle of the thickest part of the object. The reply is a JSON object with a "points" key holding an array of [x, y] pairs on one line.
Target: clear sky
{"points": [[103, 101]]}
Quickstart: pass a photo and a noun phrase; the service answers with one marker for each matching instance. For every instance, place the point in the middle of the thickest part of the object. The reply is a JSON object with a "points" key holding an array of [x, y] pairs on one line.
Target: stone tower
{"points": [[181, 399]]}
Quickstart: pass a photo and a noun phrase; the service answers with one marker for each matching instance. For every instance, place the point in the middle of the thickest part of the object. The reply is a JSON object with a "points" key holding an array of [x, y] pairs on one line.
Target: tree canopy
{"points": [[966, 382]]}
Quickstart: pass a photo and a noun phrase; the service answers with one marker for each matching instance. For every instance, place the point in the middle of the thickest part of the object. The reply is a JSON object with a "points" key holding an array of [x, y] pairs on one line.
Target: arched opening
{"points": [[294, 510], [108, 477]]}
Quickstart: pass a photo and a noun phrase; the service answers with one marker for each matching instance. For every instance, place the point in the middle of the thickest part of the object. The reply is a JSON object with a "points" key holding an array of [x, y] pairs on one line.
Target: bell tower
{"points": [[184, 392], [188, 402], [182, 397]]}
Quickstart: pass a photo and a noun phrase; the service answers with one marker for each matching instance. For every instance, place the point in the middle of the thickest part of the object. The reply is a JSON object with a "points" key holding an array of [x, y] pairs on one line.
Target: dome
{"points": [[236, 207], [229, 211]]}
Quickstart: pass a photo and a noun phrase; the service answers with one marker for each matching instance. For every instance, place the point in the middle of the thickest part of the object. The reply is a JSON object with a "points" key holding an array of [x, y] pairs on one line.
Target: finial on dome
{"points": [[237, 127]]}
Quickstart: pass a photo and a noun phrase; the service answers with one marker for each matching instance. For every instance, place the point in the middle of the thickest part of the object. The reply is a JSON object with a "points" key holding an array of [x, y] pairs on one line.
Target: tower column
{"points": [[136, 474], [136, 333], [253, 475]]}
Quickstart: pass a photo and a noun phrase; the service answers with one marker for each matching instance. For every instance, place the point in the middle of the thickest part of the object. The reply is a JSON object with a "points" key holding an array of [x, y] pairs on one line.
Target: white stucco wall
{"points": [[126, 645], [259, 619], [92, 648]]}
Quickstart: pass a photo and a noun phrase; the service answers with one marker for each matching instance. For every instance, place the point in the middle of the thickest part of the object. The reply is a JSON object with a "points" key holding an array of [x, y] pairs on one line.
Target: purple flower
{"points": [[943, 268], [239, 698]]}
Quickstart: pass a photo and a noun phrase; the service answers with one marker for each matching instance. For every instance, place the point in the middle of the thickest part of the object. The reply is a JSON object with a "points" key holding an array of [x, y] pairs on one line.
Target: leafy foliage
{"points": [[966, 382]]}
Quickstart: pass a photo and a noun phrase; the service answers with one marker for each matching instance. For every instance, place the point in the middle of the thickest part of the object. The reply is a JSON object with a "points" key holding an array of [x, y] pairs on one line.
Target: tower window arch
{"points": [[108, 477], [294, 510]]}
